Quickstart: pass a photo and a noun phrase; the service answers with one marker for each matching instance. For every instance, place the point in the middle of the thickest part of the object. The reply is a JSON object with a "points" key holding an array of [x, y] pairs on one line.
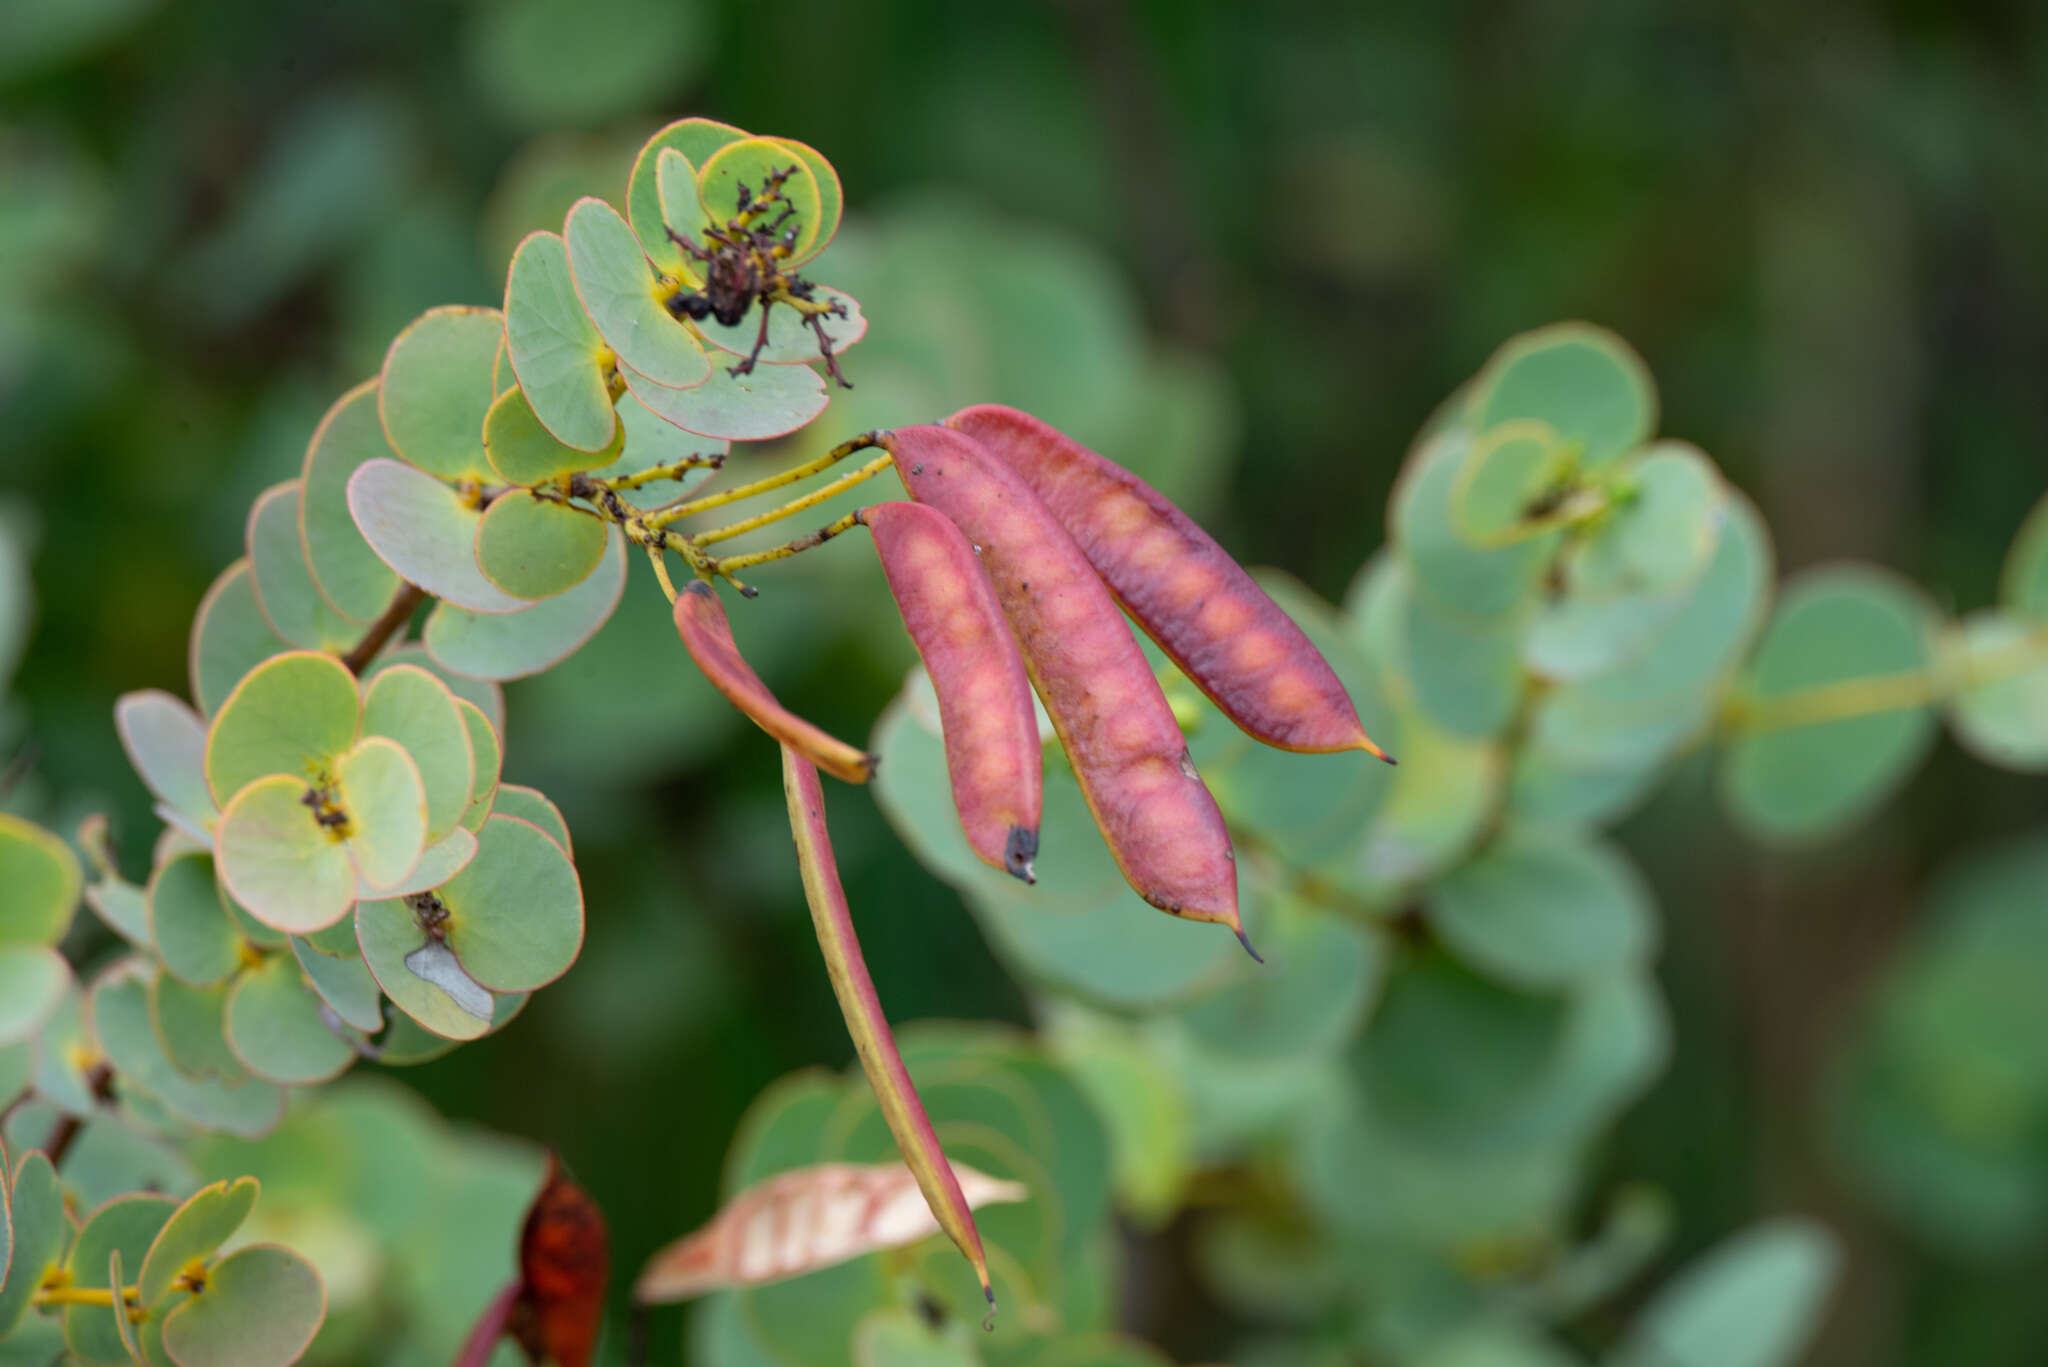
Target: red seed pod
{"points": [[1205, 612], [991, 731], [564, 1261], [700, 621], [1156, 816]]}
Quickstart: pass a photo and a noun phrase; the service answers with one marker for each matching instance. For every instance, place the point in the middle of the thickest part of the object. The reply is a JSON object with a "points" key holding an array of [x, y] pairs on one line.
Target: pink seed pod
{"points": [[902, 1108], [1158, 819], [1205, 612], [700, 621], [991, 730]]}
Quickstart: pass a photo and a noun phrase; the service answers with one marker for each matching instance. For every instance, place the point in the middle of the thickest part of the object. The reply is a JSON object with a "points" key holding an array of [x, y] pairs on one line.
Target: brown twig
{"points": [[402, 606], [100, 1082]]}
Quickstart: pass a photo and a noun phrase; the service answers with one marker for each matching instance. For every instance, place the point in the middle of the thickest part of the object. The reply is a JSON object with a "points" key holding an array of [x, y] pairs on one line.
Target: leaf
{"points": [[1147, 1111], [1541, 912], [39, 884], [564, 1265], [555, 351], [693, 139], [344, 983], [1318, 982], [831, 198], [490, 758], [2023, 586], [802, 1220], [1840, 645], [230, 637], [526, 453], [191, 1027], [279, 863], [833, 922], [791, 340], [166, 742], [1454, 1060], [745, 166], [1502, 477], [261, 1307], [452, 1006], [2000, 708], [1461, 580], [207, 1219], [1752, 1301], [515, 914], [542, 635], [1053, 932], [426, 532], [40, 1230], [285, 592], [650, 442], [344, 568], [379, 788], [436, 386], [1583, 380], [897, 1338], [537, 548], [619, 293], [1661, 538], [275, 1028], [1466, 677], [120, 1019], [188, 923], [124, 1225], [771, 401], [293, 714], [483, 694], [33, 981], [529, 804], [440, 862], [416, 710]]}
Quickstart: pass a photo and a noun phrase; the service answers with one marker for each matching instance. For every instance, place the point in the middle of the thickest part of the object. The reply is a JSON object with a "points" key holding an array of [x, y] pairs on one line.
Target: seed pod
{"points": [[801, 1220], [700, 621], [1156, 816], [1205, 612], [991, 731], [901, 1106]]}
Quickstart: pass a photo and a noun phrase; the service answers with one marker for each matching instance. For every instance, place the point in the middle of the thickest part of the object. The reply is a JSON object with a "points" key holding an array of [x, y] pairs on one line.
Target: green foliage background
{"points": [[1245, 249]]}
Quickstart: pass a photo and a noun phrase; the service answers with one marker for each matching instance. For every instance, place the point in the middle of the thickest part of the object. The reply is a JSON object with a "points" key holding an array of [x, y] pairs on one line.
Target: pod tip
{"points": [[1365, 744], [1246, 941], [1018, 852]]}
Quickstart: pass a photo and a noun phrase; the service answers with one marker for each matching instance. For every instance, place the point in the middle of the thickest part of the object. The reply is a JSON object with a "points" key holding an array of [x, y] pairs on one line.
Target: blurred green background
{"points": [[1247, 249]]}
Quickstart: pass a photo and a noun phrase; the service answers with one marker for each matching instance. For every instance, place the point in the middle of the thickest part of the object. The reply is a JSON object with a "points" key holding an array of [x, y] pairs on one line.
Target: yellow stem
{"points": [[803, 543], [673, 470], [838, 453], [795, 506], [661, 573], [79, 1295]]}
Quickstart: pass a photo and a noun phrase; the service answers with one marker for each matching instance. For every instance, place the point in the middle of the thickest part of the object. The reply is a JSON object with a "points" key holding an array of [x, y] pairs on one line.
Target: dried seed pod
{"points": [[804, 1219], [879, 1058], [991, 730], [700, 621], [1205, 612], [1154, 812]]}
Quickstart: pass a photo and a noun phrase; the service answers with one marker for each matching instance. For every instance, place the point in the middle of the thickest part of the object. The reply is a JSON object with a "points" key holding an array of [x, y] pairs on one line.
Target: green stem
{"points": [[1847, 698]]}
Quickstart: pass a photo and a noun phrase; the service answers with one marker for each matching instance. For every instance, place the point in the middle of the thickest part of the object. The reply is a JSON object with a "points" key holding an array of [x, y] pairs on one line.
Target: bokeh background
{"points": [[1247, 247]]}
